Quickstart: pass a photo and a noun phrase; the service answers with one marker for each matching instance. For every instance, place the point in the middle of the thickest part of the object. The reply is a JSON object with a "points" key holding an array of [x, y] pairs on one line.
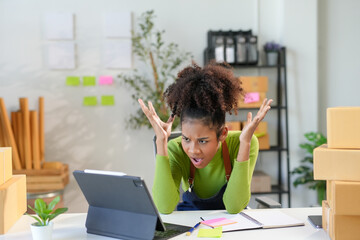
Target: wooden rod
{"points": [[41, 129], [35, 139], [21, 139], [2, 133], [24, 106], [14, 127], [9, 135]]}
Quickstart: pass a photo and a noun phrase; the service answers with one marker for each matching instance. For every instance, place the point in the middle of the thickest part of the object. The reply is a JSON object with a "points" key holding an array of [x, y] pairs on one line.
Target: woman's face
{"points": [[199, 142]]}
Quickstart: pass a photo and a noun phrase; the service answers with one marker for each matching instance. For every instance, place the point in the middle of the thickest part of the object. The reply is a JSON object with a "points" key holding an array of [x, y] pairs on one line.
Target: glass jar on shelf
{"points": [[219, 49], [230, 50], [241, 49]]}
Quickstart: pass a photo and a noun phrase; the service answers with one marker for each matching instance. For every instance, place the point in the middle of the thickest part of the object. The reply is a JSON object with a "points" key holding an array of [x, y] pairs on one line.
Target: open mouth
{"points": [[197, 161]]}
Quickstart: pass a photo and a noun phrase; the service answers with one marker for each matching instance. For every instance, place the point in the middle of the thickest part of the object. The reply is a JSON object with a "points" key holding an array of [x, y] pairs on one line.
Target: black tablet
{"points": [[121, 206]]}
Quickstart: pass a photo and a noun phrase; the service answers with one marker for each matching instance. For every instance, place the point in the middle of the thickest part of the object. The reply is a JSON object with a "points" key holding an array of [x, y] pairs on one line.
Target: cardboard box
{"points": [[5, 164], [344, 197], [343, 128], [325, 216], [261, 182], [264, 142], [336, 164], [233, 126], [343, 227], [253, 84], [12, 201]]}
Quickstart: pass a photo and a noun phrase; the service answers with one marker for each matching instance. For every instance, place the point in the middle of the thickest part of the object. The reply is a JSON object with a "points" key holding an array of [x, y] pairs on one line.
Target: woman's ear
{"points": [[224, 133]]}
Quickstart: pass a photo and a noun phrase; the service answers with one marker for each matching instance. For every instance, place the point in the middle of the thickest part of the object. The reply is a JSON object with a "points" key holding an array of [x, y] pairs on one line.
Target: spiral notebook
{"points": [[257, 219]]}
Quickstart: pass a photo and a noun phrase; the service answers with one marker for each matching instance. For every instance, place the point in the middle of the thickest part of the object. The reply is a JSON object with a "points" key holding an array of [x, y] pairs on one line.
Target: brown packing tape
{"points": [[325, 216], [35, 139], [9, 135], [41, 129], [24, 105]]}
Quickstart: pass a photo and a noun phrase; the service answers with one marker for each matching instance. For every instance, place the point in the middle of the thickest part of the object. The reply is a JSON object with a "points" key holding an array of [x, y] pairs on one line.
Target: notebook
{"points": [[266, 218], [121, 206]]}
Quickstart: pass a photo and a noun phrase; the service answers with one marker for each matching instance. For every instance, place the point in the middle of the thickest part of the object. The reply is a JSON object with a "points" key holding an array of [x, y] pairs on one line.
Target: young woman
{"points": [[215, 165]]}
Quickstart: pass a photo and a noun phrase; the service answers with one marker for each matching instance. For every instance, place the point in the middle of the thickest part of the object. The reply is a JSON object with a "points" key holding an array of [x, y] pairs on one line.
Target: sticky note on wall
{"points": [[89, 81], [106, 80], [72, 81], [107, 100], [90, 101], [252, 97]]}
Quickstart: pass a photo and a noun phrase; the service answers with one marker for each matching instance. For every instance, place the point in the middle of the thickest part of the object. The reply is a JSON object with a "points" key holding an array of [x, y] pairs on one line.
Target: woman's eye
{"points": [[202, 141], [185, 139]]}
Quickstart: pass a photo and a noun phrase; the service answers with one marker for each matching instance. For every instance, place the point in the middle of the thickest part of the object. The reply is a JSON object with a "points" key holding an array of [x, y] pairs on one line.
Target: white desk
{"points": [[72, 226]]}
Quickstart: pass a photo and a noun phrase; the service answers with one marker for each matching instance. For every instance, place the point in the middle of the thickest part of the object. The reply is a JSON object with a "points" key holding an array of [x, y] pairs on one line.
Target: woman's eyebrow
{"points": [[203, 138]]}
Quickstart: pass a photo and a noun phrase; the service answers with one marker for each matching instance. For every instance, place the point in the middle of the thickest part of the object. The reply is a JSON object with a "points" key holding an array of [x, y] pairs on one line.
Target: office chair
{"points": [[263, 202]]}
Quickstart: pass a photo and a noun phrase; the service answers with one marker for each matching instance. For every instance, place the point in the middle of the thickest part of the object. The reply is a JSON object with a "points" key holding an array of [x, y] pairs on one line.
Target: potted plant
{"points": [[159, 65], [42, 228], [272, 50], [305, 171]]}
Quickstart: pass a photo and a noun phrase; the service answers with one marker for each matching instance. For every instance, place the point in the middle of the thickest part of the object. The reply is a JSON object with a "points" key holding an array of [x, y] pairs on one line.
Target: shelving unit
{"points": [[282, 187], [282, 145]]}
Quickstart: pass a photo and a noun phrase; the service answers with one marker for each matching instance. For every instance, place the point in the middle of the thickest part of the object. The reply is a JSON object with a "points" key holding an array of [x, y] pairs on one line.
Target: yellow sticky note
{"points": [[210, 233], [72, 81], [90, 101], [89, 81], [107, 100]]}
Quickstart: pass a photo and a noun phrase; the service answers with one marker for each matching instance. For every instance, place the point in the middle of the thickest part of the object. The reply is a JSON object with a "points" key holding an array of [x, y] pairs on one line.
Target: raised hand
{"points": [[252, 123], [162, 129]]}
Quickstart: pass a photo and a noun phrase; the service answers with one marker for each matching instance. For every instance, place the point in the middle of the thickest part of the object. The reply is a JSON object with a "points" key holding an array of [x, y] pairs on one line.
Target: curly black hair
{"points": [[204, 93]]}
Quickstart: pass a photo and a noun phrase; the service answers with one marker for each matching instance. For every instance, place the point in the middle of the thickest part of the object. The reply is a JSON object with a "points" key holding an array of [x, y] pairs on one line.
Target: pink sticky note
{"points": [[106, 80], [252, 97], [217, 222]]}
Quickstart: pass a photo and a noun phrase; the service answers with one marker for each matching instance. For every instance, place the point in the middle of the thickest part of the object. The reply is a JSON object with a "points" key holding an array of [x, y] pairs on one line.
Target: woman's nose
{"points": [[194, 149]]}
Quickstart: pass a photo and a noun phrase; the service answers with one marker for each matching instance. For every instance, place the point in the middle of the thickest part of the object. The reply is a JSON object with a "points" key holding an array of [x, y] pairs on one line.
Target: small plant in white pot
{"points": [[42, 228]]}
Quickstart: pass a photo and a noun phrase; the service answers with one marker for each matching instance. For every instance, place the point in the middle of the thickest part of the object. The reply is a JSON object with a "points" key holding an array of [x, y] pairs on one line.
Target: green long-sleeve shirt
{"points": [[209, 180]]}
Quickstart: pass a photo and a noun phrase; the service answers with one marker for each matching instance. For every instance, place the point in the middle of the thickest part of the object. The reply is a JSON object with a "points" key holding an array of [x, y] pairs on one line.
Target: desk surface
{"points": [[72, 226]]}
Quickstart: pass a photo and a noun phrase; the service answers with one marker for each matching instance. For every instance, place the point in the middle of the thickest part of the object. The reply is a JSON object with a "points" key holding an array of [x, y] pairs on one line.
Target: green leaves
{"points": [[305, 171], [44, 212], [161, 63]]}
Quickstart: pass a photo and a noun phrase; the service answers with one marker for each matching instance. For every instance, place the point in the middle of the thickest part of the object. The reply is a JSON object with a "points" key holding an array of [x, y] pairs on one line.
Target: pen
{"points": [[188, 233]]}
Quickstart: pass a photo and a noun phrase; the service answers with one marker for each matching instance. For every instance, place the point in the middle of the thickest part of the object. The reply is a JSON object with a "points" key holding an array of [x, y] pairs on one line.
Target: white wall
{"points": [[96, 137], [339, 62]]}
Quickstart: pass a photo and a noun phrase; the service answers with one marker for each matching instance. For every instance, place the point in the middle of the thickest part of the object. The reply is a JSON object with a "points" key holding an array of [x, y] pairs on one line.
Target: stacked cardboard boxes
{"points": [[12, 192], [338, 162], [255, 88]]}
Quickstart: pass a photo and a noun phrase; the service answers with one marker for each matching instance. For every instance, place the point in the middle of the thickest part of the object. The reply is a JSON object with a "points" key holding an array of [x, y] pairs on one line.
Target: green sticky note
{"points": [[210, 233], [89, 81], [107, 100], [72, 81], [90, 101]]}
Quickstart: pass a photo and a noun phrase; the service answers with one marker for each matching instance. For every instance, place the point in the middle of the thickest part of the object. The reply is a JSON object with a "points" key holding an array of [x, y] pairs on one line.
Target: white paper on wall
{"points": [[117, 25], [117, 54], [59, 26], [61, 55]]}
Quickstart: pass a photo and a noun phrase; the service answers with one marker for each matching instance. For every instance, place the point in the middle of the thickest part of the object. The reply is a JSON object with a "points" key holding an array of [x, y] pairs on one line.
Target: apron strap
{"points": [[227, 164]]}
